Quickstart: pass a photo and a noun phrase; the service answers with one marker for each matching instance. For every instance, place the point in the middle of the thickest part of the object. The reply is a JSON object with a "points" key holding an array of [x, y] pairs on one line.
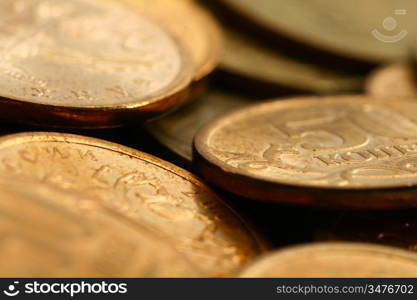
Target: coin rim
{"points": [[388, 251]]}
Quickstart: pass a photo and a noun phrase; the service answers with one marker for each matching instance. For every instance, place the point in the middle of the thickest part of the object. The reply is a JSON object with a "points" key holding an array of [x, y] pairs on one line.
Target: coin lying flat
{"points": [[246, 58], [176, 131], [371, 31], [51, 232], [394, 228], [194, 26], [325, 151], [143, 188], [335, 260], [86, 63], [392, 80]]}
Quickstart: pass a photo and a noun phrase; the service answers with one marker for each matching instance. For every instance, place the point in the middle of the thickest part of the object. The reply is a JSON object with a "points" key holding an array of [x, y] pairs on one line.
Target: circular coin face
{"points": [[50, 232], [371, 31], [143, 188], [393, 80], [191, 24], [335, 260], [86, 63], [248, 59], [330, 151]]}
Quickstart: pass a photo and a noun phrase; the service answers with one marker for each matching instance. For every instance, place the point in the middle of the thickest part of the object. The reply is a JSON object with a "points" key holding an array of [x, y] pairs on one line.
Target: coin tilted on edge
{"points": [[143, 188], [373, 31], [339, 151], [392, 80], [177, 130], [194, 26], [86, 63], [253, 61], [50, 232], [335, 260]]}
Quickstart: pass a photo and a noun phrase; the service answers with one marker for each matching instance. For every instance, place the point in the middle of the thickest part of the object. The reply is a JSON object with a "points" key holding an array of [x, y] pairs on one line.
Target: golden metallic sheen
{"points": [[192, 25], [88, 62], [327, 151], [49, 232], [145, 189], [392, 80], [335, 260]]}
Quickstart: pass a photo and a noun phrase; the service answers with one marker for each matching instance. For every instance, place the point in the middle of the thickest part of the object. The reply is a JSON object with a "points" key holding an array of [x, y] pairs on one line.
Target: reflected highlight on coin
{"points": [[191, 24], [86, 63], [143, 188], [392, 80], [328, 151], [50, 232], [335, 260]]}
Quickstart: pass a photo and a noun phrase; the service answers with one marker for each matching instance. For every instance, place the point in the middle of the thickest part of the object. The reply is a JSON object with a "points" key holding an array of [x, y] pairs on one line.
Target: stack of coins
{"points": [[176, 138]]}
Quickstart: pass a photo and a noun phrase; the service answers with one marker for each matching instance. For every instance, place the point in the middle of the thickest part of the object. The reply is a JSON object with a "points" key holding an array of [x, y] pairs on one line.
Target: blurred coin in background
{"points": [[48, 232], [392, 80], [336, 151], [335, 260], [276, 72], [361, 31], [176, 131], [88, 64], [143, 188]]}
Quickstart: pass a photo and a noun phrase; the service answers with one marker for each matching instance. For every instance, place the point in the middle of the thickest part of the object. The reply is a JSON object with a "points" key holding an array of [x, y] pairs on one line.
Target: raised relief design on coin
{"points": [[51, 232], [341, 142], [145, 189], [84, 53]]}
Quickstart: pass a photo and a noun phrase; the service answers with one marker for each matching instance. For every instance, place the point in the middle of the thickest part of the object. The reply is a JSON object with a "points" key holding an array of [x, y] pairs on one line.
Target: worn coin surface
{"points": [[143, 188], [191, 24], [86, 63], [176, 131], [371, 31], [50, 232], [335, 260], [246, 58], [341, 151], [392, 80]]}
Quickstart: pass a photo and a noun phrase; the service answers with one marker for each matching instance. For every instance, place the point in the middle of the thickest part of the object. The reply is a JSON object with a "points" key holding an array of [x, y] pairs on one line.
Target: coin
{"points": [[250, 60], [48, 232], [392, 80], [86, 63], [336, 151], [177, 130], [335, 260], [193, 25], [372, 31], [143, 188], [394, 228]]}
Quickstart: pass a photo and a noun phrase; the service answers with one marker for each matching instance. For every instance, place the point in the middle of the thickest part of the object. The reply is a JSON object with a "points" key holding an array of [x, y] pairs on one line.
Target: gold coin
{"points": [[392, 80], [341, 151], [86, 63], [374, 31], [177, 130], [250, 60], [335, 260], [192, 25], [48, 232], [143, 188]]}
